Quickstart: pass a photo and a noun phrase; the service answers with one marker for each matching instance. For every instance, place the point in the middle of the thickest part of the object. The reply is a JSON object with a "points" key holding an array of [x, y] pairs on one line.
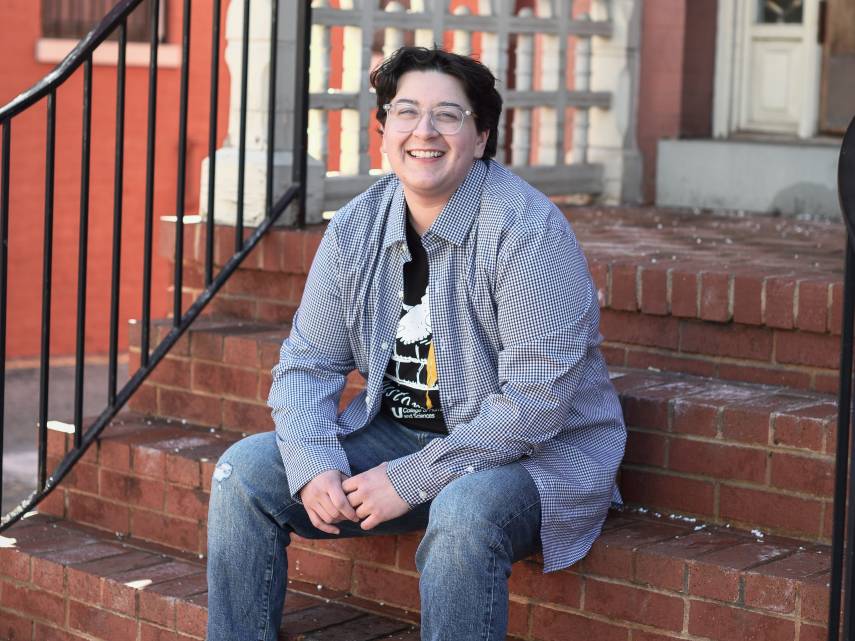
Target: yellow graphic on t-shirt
{"points": [[431, 375]]}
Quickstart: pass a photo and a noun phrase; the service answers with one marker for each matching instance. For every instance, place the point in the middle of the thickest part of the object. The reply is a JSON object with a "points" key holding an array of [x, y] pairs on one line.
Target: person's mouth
{"points": [[425, 153]]}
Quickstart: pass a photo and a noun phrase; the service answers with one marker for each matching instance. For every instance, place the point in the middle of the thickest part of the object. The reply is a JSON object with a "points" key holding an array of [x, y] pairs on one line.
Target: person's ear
{"points": [[481, 143]]}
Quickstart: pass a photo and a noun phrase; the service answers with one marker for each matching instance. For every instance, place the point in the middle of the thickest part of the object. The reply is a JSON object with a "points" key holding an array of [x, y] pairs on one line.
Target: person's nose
{"points": [[424, 127]]}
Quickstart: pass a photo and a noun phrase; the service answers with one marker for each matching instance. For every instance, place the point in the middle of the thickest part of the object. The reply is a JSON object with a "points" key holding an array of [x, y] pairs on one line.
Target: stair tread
{"points": [[673, 237], [164, 591], [645, 554]]}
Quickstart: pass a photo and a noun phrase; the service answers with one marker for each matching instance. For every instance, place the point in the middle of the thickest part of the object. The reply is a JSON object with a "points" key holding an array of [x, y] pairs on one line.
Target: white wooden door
{"points": [[778, 67]]}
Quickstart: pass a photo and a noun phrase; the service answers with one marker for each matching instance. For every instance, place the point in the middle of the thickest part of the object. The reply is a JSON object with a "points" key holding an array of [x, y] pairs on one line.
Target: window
{"points": [[73, 19], [781, 11]]}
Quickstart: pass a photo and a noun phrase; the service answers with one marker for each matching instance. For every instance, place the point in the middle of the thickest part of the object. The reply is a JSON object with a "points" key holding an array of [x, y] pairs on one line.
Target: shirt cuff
{"points": [[304, 464], [412, 479]]}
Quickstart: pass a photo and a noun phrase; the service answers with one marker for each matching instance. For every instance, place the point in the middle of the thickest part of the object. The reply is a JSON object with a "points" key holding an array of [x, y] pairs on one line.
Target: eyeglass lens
{"points": [[445, 119]]}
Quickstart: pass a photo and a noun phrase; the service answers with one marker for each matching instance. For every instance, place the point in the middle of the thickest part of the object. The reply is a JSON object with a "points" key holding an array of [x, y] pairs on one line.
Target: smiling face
{"points": [[430, 165]]}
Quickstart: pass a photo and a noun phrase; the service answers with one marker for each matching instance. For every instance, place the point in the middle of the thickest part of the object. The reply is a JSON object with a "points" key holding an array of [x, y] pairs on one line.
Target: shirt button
{"points": [[401, 295], [469, 468], [384, 345], [422, 495]]}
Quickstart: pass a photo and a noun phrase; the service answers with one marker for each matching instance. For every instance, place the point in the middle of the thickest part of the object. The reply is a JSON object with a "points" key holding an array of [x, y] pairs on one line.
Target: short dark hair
{"points": [[477, 80]]}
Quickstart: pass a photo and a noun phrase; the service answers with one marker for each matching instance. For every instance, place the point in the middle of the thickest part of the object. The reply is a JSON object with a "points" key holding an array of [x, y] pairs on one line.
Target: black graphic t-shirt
{"points": [[410, 391]]}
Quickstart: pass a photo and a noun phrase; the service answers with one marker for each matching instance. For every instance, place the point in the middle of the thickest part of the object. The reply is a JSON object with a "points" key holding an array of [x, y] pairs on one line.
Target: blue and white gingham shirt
{"points": [[515, 324]]}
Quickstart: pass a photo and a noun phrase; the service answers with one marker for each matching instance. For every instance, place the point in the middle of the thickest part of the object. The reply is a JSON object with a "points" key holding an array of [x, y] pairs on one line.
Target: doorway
{"points": [[837, 36], [769, 67]]}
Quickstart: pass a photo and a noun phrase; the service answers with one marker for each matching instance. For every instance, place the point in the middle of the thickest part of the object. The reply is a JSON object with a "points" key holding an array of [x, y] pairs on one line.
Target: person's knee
{"points": [[249, 466], [458, 531]]}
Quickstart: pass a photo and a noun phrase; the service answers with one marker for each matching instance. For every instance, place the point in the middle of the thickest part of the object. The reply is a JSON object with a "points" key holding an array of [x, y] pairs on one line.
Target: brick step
{"points": [[753, 299], [753, 455], [217, 375], [59, 580], [749, 455], [644, 579]]}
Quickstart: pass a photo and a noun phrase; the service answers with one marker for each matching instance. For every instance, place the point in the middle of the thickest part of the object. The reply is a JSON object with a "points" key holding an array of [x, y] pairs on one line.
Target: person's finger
{"points": [[326, 502], [342, 504], [362, 511], [349, 485], [322, 510], [371, 522], [354, 499], [318, 523]]}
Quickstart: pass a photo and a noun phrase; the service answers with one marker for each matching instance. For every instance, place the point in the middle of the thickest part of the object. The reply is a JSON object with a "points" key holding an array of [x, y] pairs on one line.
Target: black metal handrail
{"points": [[843, 534], [116, 21]]}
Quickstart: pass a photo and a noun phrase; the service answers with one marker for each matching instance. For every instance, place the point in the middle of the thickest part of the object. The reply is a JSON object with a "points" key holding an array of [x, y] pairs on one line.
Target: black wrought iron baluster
{"points": [[117, 18], [841, 571], [5, 168], [149, 186], [47, 266], [301, 106], [212, 142], [843, 533], [182, 167], [242, 136], [82, 250], [271, 105], [118, 186]]}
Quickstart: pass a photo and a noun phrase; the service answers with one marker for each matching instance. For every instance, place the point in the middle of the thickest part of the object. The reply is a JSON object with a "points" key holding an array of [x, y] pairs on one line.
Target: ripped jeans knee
{"points": [[222, 471], [251, 469]]}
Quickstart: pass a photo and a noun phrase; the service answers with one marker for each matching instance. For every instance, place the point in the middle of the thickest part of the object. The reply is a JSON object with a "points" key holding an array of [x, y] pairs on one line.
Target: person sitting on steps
{"points": [[488, 418]]}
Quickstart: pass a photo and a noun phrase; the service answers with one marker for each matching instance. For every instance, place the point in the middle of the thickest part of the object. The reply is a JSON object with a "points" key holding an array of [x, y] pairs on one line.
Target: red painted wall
{"points": [[19, 31]]}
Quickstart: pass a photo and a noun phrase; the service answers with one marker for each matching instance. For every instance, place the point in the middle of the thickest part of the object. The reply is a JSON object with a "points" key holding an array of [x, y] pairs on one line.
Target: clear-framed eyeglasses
{"points": [[404, 117]]}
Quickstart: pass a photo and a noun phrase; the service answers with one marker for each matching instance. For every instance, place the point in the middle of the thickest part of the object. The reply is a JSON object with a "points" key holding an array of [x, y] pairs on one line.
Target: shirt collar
{"points": [[455, 219], [396, 230]]}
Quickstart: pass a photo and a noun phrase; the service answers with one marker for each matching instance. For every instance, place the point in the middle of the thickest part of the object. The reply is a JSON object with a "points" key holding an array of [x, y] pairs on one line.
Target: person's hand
{"points": [[325, 501], [374, 497]]}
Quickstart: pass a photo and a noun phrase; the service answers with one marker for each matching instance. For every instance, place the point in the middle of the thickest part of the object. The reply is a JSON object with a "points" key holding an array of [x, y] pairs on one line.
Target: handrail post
{"points": [[843, 533], [145, 329], [47, 273], [5, 168], [301, 106]]}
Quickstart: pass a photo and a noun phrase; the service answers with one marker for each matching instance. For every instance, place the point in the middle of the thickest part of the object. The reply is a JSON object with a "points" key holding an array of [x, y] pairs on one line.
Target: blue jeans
{"points": [[476, 527]]}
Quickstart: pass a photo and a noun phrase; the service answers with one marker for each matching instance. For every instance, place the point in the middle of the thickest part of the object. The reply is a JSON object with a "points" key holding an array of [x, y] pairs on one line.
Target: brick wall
{"points": [[677, 73]]}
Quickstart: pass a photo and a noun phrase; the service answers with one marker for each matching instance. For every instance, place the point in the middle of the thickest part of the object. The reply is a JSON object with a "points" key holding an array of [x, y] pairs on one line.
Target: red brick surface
{"points": [[644, 579], [675, 296], [695, 446], [654, 291], [716, 296], [724, 623], [624, 286], [780, 302]]}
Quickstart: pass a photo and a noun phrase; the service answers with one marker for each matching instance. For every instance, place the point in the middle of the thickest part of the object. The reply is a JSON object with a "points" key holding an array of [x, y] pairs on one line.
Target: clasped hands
{"points": [[368, 498]]}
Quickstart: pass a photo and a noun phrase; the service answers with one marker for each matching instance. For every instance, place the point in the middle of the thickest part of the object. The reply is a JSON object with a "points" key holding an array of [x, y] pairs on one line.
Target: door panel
{"points": [[838, 66], [775, 94]]}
